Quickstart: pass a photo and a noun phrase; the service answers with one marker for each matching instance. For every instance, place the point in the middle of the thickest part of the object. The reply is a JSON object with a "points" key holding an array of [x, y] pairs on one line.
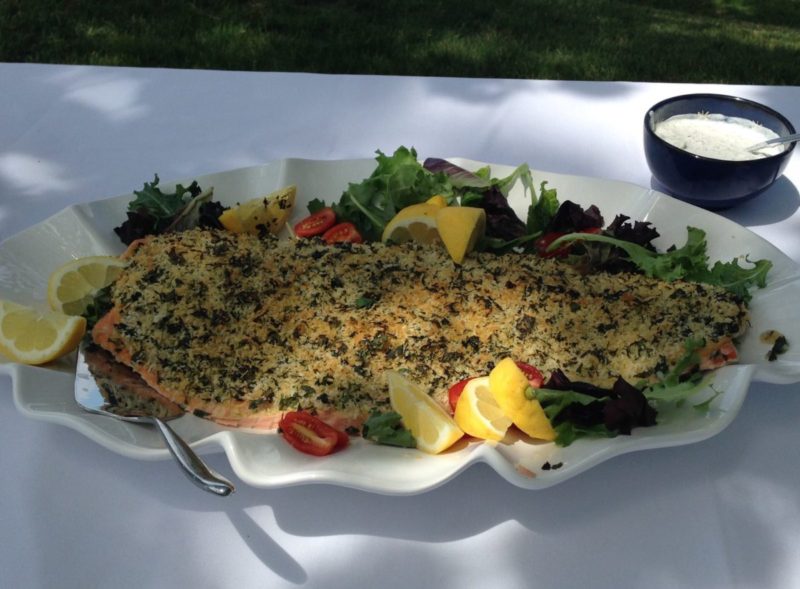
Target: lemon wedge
{"points": [[460, 228], [477, 412], [271, 211], [508, 384], [431, 426], [415, 223], [30, 336], [73, 285]]}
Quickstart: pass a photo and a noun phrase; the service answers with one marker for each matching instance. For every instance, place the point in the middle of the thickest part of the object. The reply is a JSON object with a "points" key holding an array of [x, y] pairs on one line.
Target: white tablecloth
{"points": [[721, 513]]}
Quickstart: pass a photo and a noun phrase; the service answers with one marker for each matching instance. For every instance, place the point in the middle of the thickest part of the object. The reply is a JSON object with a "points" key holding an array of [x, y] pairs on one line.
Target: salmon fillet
{"points": [[238, 328]]}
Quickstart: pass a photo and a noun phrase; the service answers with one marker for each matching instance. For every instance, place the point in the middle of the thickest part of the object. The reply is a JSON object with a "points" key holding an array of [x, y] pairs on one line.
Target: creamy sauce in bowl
{"points": [[717, 136]]}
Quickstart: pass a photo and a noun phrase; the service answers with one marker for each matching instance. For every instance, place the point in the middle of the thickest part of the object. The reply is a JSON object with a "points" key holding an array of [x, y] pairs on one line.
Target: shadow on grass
{"points": [[745, 42]]}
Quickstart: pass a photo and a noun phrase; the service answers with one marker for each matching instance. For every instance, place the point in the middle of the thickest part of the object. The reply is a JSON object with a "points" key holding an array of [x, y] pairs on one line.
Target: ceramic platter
{"points": [[265, 460]]}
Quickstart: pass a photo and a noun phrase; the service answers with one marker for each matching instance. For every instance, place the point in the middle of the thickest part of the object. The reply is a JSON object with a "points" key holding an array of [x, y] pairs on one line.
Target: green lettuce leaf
{"points": [[542, 210]]}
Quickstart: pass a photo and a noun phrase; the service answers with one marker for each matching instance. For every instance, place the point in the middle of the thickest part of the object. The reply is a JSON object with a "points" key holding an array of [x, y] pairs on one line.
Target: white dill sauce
{"points": [[717, 136]]}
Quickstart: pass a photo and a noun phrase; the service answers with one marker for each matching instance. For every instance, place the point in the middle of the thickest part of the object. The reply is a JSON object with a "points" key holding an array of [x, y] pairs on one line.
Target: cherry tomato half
{"points": [[454, 392], [545, 240], [343, 232], [310, 434], [532, 373], [542, 243], [316, 224]]}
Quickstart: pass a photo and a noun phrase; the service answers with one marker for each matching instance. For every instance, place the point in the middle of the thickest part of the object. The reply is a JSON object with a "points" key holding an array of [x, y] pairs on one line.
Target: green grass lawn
{"points": [[727, 41]]}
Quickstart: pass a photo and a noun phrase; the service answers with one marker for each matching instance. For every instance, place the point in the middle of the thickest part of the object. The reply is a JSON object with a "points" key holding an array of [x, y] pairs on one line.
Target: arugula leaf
{"points": [[594, 256], [387, 429], [554, 402], [689, 360], [689, 262], [736, 279], [567, 432], [681, 382], [667, 266]]}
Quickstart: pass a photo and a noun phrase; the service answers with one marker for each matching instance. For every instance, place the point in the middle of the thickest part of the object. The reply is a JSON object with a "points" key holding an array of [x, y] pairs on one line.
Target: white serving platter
{"points": [[265, 460]]}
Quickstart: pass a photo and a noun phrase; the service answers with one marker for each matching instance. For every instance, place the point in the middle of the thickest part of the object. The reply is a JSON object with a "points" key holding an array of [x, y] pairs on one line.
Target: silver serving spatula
{"points": [[106, 387]]}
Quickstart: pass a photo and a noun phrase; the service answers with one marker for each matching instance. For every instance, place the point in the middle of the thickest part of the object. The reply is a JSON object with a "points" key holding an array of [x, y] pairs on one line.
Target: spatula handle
{"points": [[194, 468]]}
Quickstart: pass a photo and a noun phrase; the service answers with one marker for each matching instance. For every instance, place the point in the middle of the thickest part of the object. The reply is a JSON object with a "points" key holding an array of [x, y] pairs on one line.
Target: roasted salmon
{"points": [[238, 328]]}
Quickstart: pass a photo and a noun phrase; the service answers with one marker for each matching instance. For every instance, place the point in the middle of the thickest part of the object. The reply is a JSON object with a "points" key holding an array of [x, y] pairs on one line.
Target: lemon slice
{"points": [[478, 414], [431, 426], [30, 336], [271, 211], [72, 286], [415, 223], [508, 384]]}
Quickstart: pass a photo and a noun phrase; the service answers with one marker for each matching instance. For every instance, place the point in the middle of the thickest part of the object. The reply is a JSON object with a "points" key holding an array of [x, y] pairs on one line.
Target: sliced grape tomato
{"points": [[316, 223], [309, 434], [343, 232]]}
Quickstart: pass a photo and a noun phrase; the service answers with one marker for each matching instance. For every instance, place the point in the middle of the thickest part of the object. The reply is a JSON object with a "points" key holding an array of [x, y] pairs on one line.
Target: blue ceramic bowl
{"points": [[707, 182]]}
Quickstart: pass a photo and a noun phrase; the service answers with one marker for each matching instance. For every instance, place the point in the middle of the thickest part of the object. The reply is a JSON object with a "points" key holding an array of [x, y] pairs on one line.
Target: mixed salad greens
{"points": [[153, 211]]}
